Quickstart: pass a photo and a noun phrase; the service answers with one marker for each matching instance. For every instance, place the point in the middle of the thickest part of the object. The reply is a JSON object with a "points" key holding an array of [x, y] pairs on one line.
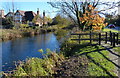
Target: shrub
{"points": [[39, 67], [23, 25]]}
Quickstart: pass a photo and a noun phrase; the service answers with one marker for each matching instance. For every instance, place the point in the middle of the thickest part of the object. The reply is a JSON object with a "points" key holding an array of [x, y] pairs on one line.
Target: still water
{"points": [[20, 49]]}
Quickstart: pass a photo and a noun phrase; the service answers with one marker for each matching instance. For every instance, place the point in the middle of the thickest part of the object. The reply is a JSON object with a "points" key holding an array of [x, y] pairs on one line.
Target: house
{"points": [[25, 17], [19, 16]]}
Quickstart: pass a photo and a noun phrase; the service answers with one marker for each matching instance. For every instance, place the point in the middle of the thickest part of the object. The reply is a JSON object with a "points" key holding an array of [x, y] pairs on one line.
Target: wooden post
{"points": [[79, 38], [117, 39], [90, 37], [99, 38], [106, 37], [113, 39]]}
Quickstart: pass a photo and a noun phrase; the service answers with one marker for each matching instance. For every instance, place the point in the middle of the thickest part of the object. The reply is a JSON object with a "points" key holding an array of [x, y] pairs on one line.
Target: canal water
{"points": [[20, 49]]}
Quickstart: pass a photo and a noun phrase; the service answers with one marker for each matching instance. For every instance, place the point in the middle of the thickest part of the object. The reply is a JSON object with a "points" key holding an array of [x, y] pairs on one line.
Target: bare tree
{"points": [[75, 9], [10, 6]]}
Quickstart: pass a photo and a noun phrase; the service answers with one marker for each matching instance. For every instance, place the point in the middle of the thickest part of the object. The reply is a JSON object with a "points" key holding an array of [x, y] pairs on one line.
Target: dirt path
{"points": [[74, 66], [114, 57]]}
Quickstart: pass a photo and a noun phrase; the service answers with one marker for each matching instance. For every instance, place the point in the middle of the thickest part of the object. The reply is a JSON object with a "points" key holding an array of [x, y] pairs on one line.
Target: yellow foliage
{"points": [[93, 18]]}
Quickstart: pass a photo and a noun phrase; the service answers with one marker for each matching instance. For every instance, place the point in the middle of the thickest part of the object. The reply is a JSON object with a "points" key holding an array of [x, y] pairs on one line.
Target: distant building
{"points": [[2, 13], [25, 17], [19, 16]]}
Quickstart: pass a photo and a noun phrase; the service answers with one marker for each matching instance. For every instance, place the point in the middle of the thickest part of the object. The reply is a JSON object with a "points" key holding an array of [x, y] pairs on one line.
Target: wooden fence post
{"points": [[99, 38], [79, 38], [90, 37], [117, 39], [113, 39], [105, 37]]}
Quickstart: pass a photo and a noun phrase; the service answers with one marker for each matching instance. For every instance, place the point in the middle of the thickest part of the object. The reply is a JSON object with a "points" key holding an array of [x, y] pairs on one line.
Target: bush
{"points": [[23, 25], [39, 67], [60, 33]]}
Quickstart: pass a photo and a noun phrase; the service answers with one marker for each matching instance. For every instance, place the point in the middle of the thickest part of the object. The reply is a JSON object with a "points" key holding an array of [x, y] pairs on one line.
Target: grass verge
{"points": [[107, 30]]}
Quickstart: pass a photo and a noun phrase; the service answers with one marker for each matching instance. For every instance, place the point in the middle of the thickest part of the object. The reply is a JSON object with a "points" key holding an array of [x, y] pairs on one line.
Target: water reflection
{"points": [[20, 49]]}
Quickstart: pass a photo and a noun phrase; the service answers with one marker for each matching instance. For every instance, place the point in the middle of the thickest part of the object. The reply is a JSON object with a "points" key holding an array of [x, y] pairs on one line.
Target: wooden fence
{"points": [[111, 37]]}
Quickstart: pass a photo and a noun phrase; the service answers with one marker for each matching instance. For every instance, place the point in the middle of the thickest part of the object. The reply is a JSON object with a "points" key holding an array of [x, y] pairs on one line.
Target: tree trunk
{"points": [[77, 15]]}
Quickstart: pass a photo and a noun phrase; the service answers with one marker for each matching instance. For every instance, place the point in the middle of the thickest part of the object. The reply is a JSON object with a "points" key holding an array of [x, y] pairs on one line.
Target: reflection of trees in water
{"points": [[47, 37], [43, 39]]}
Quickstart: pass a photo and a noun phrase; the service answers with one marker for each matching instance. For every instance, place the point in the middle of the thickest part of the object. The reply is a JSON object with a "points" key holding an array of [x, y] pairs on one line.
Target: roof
{"points": [[34, 13], [9, 13], [29, 15], [21, 12]]}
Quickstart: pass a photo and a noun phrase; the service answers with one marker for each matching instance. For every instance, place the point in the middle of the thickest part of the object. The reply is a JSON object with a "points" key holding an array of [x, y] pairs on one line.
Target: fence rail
{"points": [[111, 37]]}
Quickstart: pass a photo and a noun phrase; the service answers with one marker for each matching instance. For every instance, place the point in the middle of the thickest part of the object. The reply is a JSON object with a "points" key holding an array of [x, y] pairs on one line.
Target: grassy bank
{"points": [[9, 34], [107, 30]]}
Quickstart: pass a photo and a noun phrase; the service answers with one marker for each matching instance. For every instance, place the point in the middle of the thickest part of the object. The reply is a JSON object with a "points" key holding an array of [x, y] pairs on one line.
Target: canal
{"points": [[20, 49]]}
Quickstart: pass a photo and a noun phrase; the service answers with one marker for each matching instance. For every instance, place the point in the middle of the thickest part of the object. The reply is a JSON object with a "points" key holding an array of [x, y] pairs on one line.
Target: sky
{"points": [[32, 5]]}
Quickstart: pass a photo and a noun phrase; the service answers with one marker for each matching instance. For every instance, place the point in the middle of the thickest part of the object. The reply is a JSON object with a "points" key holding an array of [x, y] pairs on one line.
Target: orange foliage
{"points": [[93, 18]]}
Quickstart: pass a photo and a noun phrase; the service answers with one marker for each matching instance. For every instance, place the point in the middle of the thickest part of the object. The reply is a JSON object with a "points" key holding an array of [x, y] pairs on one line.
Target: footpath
{"points": [[114, 57]]}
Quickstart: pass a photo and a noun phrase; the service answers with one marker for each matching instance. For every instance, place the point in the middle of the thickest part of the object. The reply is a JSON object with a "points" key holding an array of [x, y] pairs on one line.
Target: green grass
{"points": [[117, 49], [98, 57], [107, 30], [98, 64], [93, 54]]}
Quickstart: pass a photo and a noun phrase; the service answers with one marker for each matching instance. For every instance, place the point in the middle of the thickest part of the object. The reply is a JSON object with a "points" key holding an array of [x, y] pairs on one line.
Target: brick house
{"points": [[25, 17]]}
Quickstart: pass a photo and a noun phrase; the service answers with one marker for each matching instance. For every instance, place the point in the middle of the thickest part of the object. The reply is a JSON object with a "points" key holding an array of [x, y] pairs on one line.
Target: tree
{"points": [[35, 18], [7, 22], [111, 19], [10, 6], [48, 20], [59, 20], [75, 9], [92, 20]]}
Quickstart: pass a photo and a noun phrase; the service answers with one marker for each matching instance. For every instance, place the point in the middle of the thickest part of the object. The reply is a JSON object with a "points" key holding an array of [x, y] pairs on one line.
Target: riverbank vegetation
{"points": [[25, 31], [73, 60], [39, 67]]}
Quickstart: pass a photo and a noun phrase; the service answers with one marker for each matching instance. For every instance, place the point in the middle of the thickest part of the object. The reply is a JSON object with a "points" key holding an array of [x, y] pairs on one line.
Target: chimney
{"points": [[37, 11], [43, 13], [2, 13], [43, 18]]}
